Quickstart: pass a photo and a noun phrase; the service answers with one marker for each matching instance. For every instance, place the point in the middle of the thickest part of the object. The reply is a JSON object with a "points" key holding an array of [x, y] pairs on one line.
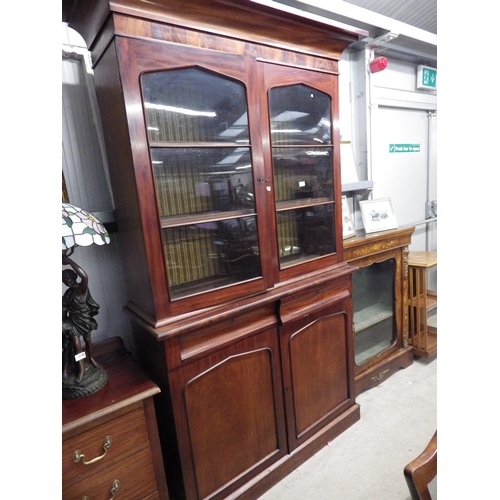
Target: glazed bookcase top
{"points": [[190, 90]]}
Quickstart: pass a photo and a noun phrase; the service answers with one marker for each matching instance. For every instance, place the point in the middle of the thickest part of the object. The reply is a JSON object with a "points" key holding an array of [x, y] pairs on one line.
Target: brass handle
{"points": [[114, 489], [79, 457]]}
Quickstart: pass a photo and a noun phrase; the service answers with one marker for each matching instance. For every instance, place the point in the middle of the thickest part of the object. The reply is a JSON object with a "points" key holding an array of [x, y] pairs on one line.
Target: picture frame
{"points": [[378, 215], [347, 220]]}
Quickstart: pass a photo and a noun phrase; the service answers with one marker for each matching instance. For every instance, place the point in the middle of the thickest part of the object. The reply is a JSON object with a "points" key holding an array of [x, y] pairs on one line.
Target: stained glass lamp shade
{"points": [[81, 228]]}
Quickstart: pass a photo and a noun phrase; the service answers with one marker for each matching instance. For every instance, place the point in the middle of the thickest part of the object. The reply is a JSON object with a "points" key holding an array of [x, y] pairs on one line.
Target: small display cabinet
{"points": [[379, 299], [422, 305]]}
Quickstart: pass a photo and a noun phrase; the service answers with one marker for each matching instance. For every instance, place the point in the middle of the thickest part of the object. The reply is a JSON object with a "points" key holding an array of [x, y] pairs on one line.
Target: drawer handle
{"points": [[114, 489], [79, 457]]}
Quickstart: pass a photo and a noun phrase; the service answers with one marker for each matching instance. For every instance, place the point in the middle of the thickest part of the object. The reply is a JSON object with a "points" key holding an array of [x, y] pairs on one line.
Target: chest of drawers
{"points": [[110, 444]]}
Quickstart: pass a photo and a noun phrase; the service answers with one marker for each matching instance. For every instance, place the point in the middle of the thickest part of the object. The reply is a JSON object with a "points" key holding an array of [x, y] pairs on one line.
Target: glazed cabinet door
{"points": [[379, 288], [300, 113], [377, 310], [228, 404], [316, 345], [196, 156]]}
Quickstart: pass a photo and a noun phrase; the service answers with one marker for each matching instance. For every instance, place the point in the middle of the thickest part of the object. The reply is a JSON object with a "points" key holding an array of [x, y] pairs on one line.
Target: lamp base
{"points": [[95, 378]]}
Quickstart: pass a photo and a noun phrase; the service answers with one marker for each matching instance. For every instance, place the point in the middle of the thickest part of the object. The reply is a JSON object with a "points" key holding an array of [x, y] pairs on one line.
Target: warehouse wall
{"points": [[85, 172]]}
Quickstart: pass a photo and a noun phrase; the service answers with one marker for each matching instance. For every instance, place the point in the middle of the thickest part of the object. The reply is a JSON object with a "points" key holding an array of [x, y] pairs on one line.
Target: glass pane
{"points": [[305, 234], [373, 299], [302, 173], [299, 115], [204, 256], [203, 180], [194, 105]]}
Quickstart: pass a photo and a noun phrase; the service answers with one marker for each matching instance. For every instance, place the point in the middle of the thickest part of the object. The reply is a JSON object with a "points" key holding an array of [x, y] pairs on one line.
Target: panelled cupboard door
{"points": [[315, 338], [229, 414], [194, 124]]}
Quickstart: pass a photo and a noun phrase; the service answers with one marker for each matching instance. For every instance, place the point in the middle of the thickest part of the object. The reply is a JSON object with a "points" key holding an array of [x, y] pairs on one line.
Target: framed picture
{"points": [[378, 215], [347, 221]]}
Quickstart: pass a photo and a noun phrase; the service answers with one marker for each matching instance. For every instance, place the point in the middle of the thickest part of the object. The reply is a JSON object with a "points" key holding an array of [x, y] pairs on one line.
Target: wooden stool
{"points": [[422, 336]]}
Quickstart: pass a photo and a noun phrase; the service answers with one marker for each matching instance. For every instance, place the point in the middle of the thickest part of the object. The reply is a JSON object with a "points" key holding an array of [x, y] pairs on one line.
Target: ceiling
{"points": [[413, 21], [418, 13]]}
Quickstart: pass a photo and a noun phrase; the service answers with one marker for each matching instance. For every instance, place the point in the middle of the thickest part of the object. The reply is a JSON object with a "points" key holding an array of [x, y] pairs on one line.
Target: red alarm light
{"points": [[378, 64]]}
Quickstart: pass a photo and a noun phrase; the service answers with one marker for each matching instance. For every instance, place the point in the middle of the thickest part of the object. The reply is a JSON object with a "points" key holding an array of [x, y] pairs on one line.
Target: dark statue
{"points": [[81, 374]]}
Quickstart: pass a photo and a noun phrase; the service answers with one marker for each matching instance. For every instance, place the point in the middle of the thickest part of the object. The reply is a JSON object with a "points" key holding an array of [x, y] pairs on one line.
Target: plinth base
{"points": [[95, 378]]}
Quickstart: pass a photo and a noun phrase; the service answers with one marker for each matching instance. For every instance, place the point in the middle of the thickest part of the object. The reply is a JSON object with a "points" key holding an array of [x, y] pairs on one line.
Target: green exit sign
{"points": [[426, 78]]}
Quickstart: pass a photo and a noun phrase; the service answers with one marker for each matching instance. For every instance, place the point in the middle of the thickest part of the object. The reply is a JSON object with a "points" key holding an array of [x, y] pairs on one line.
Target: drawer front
{"points": [[128, 435], [135, 476]]}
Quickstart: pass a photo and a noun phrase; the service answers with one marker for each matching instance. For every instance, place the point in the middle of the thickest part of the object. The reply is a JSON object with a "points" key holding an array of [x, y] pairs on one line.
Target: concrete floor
{"points": [[366, 462]]}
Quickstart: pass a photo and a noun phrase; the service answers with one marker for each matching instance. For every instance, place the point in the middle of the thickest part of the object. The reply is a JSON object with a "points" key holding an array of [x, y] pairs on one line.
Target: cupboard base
{"points": [[278, 471], [231, 378], [383, 370]]}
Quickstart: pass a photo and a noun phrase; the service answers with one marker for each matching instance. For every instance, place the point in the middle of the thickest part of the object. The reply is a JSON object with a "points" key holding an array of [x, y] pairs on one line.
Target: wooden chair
{"points": [[421, 471]]}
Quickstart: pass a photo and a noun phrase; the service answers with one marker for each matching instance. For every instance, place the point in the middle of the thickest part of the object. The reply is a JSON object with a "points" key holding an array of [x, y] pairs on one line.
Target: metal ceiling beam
{"points": [[354, 14], [412, 44]]}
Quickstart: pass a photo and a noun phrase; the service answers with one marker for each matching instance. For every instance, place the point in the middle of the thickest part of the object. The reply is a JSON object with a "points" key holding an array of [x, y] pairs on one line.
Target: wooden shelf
{"points": [[432, 300], [370, 316], [429, 298], [430, 350]]}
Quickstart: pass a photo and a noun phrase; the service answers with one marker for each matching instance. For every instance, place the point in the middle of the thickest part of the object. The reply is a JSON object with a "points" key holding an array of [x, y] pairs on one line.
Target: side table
{"points": [[422, 305], [110, 443]]}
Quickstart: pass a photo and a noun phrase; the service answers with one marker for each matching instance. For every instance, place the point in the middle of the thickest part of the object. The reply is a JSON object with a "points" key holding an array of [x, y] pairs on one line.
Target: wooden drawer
{"points": [[128, 435], [135, 475]]}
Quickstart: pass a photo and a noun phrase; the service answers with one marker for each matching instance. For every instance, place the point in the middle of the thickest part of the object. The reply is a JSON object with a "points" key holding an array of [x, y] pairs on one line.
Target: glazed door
{"points": [[196, 159], [301, 153], [376, 308]]}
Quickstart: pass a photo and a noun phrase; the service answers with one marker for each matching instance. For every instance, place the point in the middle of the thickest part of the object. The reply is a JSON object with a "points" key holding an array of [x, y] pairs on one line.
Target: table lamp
{"points": [[81, 374]]}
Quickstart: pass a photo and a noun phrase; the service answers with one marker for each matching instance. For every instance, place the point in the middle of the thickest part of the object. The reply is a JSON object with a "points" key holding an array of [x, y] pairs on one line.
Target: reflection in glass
{"points": [[302, 155], [204, 256], [194, 105], [203, 180], [299, 115], [374, 319], [303, 173], [305, 234]]}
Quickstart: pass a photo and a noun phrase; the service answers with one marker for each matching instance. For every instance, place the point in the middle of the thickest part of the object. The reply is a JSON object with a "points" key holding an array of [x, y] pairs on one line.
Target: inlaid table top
{"points": [[422, 259]]}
